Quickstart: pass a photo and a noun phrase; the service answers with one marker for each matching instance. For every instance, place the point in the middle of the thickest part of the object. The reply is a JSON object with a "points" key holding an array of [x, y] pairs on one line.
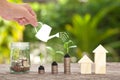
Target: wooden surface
{"points": [[113, 73]]}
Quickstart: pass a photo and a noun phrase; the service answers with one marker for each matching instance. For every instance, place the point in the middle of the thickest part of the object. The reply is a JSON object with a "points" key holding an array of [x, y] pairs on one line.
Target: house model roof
{"points": [[100, 49], [85, 59]]}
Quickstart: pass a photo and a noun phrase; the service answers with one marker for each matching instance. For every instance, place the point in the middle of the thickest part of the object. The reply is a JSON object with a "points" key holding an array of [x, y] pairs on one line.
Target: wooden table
{"points": [[113, 73]]}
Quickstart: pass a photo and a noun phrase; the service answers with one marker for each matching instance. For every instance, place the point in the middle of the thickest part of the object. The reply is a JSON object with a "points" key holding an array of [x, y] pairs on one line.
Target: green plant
{"points": [[88, 35], [67, 45], [54, 55]]}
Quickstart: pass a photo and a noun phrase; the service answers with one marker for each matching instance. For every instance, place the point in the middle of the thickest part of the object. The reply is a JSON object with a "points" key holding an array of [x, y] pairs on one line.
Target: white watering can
{"points": [[43, 33]]}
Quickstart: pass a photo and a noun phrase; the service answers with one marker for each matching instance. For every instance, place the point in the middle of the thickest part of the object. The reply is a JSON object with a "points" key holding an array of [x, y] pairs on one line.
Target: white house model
{"points": [[86, 65], [100, 60]]}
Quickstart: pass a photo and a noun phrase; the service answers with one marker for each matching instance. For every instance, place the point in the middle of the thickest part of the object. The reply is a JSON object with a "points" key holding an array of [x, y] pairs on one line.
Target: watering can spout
{"points": [[55, 35]]}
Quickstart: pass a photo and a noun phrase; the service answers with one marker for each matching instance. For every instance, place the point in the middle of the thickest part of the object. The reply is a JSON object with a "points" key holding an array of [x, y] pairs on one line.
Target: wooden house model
{"points": [[100, 60], [85, 65]]}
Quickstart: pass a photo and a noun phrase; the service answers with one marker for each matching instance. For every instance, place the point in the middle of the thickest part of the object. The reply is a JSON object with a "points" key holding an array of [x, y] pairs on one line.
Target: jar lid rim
{"points": [[20, 44]]}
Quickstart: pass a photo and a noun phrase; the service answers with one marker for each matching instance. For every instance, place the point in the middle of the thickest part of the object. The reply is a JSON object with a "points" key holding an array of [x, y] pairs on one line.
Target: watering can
{"points": [[43, 33]]}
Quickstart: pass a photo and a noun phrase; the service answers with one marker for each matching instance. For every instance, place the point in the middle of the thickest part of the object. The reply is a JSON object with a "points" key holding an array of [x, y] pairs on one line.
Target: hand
{"points": [[22, 13]]}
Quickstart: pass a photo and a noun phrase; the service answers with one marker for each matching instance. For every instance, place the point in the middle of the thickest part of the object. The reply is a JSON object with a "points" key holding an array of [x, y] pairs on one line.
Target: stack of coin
{"points": [[41, 69], [54, 67], [18, 67], [67, 64]]}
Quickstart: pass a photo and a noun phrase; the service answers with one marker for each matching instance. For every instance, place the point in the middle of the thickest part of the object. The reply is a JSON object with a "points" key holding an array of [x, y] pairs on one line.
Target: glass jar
{"points": [[19, 57]]}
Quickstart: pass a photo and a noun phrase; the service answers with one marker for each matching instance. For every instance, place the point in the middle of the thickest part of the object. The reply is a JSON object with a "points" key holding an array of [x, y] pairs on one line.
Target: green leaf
{"points": [[108, 33]]}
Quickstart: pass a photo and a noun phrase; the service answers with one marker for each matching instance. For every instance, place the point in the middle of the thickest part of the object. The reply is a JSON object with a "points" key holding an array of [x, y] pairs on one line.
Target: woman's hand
{"points": [[22, 13]]}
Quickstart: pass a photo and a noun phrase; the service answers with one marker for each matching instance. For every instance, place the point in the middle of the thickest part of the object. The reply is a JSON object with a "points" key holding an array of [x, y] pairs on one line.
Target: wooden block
{"points": [[100, 68], [100, 60], [85, 64], [86, 68]]}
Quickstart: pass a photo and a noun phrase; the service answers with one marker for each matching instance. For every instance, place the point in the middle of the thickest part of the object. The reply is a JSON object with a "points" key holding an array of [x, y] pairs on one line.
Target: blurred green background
{"points": [[87, 22]]}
